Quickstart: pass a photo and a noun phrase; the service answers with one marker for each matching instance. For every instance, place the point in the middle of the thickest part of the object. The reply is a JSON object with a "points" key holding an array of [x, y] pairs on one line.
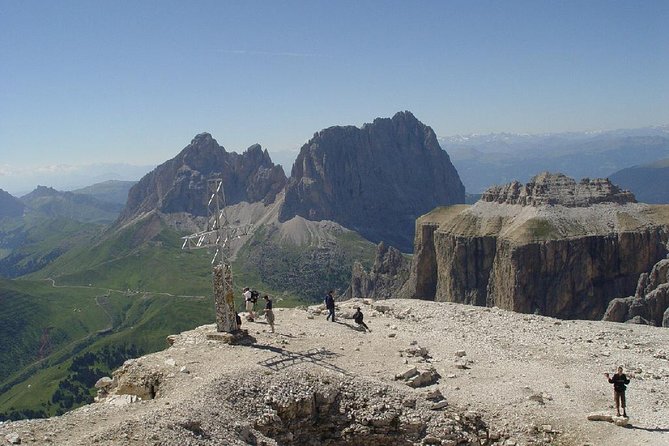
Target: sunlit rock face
{"points": [[553, 246]]}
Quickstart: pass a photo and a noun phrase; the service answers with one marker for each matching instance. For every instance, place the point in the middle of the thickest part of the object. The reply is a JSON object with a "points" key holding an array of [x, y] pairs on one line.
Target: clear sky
{"points": [[134, 81]]}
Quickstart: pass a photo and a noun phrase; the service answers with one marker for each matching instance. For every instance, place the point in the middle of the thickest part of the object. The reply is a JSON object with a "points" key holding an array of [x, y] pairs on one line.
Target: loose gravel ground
{"points": [[532, 379]]}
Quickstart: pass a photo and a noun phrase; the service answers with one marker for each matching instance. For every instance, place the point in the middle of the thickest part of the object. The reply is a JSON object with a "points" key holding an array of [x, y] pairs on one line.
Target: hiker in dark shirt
{"points": [[619, 380], [269, 314], [357, 317], [330, 305]]}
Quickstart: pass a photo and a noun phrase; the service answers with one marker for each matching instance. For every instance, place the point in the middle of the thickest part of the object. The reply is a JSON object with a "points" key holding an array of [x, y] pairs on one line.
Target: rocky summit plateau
{"points": [[554, 246], [428, 373]]}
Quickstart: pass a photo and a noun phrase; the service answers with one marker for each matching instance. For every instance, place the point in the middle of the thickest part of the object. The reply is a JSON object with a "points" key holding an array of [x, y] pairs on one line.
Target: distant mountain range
{"points": [[20, 181], [10, 206], [648, 182], [493, 159], [41, 226], [51, 203], [110, 191]]}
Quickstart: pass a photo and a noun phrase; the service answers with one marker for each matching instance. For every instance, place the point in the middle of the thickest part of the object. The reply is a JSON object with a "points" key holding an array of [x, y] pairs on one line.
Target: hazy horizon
{"points": [[108, 82]]}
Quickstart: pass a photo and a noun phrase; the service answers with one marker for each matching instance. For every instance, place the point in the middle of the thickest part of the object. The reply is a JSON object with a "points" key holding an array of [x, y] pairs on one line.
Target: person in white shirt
{"points": [[249, 304]]}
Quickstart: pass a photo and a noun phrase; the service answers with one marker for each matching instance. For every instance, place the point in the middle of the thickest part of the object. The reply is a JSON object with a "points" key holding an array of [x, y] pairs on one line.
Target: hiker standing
{"points": [[248, 303], [269, 314], [358, 317], [330, 305], [254, 300], [619, 380]]}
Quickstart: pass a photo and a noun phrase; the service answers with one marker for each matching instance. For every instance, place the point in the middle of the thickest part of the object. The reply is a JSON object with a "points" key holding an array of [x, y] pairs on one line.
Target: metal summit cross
{"points": [[219, 234]]}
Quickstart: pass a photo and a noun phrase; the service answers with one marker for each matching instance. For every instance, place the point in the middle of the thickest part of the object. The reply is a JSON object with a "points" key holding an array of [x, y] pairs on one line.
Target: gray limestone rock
{"points": [[13, 438], [376, 179], [558, 189], [179, 185], [552, 247], [387, 276], [650, 302]]}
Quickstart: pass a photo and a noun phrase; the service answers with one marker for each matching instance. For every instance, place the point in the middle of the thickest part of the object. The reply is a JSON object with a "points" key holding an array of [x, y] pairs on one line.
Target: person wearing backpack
{"points": [[254, 299]]}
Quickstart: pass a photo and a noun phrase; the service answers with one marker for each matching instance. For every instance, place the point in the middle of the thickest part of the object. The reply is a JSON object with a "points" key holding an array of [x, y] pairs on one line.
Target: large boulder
{"points": [[554, 247]]}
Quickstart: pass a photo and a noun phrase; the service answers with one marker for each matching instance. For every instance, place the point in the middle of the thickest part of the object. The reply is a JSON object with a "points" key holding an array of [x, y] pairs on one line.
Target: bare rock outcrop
{"points": [[375, 180], [558, 189], [552, 247], [180, 184], [649, 304], [389, 272]]}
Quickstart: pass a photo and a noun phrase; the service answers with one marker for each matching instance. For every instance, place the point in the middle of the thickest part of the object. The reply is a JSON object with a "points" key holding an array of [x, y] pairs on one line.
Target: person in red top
{"points": [[619, 380]]}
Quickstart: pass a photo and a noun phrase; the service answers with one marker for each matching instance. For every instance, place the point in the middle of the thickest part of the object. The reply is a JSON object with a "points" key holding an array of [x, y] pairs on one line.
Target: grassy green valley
{"points": [[116, 294], [63, 338], [30, 243]]}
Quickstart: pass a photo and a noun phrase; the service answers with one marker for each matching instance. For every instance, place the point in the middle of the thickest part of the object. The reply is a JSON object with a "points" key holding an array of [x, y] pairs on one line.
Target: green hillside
{"points": [[144, 257], [147, 256], [60, 340], [307, 271], [111, 191], [30, 243], [117, 294], [51, 203]]}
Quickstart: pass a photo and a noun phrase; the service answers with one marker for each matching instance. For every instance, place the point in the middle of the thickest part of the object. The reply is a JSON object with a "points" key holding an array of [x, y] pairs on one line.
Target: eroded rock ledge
{"points": [[558, 189]]}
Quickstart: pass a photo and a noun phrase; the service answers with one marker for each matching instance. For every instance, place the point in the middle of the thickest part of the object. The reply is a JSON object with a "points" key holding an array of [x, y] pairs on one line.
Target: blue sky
{"points": [[133, 81]]}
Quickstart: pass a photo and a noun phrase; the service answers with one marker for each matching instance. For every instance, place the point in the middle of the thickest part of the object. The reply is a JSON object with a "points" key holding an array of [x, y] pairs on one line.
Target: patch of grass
{"points": [[540, 229]]}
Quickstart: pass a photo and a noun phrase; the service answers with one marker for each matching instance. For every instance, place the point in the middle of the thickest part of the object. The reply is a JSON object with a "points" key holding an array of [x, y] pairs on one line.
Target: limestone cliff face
{"points": [[388, 274], [553, 246], [650, 302], [375, 180], [179, 185]]}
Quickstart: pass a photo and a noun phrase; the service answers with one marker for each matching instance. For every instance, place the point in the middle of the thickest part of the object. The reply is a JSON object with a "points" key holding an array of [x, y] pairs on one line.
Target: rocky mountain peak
{"points": [[548, 189], [10, 206], [389, 171], [42, 191], [179, 185], [203, 138]]}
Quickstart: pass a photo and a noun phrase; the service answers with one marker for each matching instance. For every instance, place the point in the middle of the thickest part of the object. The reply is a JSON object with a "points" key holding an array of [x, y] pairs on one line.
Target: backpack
{"points": [[254, 296]]}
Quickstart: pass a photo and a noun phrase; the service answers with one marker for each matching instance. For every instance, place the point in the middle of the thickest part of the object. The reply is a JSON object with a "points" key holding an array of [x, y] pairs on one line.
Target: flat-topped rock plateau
{"points": [[553, 246]]}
